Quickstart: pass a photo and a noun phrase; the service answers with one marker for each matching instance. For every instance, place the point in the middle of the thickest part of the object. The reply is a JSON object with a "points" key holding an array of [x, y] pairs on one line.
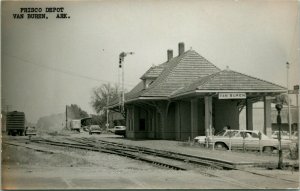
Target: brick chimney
{"points": [[180, 48], [170, 54]]}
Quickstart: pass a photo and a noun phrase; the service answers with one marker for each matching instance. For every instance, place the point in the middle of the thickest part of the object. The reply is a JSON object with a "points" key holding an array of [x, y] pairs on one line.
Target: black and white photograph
{"points": [[150, 94]]}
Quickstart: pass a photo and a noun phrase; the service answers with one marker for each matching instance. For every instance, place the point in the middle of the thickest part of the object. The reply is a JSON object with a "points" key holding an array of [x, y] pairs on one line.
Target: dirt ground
{"points": [[23, 168]]}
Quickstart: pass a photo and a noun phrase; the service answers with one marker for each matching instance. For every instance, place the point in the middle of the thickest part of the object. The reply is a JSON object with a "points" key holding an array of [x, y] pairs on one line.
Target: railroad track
{"points": [[218, 164], [160, 158], [124, 153], [202, 161]]}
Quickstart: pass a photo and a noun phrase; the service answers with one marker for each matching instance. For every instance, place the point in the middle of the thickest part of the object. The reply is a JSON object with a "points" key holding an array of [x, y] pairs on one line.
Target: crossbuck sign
{"points": [[232, 95]]}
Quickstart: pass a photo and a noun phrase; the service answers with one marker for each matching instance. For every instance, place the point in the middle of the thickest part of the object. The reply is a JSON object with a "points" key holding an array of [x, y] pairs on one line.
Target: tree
{"points": [[102, 95], [75, 112], [98, 120], [282, 99]]}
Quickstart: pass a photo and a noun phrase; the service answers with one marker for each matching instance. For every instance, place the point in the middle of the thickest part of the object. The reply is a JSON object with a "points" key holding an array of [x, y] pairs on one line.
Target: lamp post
{"points": [[121, 65], [279, 107]]}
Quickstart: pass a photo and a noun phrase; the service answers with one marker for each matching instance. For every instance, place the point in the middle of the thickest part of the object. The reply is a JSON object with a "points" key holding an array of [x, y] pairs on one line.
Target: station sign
{"points": [[232, 95]]}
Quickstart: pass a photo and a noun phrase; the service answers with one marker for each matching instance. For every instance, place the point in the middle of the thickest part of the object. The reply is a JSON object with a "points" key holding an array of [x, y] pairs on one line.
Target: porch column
{"points": [[194, 118], [208, 114], [267, 116], [249, 115], [177, 122]]}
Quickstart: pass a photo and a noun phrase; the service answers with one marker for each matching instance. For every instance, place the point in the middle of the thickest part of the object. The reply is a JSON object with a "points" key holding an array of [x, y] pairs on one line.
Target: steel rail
{"points": [[109, 151], [164, 165], [174, 155], [206, 161]]}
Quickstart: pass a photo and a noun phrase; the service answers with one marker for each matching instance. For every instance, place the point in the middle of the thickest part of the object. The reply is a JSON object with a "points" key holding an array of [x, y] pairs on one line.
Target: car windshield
{"points": [[226, 133], [221, 133]]}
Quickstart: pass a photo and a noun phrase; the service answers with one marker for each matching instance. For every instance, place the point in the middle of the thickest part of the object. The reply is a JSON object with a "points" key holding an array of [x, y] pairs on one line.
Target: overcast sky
{"points": [[47, 64]]}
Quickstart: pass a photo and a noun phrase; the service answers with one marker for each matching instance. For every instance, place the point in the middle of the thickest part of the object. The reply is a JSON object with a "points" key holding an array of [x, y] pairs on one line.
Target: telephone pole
{"points": [[289, 107], [66, 117]]}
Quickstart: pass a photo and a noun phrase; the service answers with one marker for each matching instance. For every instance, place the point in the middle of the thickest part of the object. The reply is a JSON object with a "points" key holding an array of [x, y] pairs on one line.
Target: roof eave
{"points": [[245, 91], [147, 98], [137, 99], [203, 92]]}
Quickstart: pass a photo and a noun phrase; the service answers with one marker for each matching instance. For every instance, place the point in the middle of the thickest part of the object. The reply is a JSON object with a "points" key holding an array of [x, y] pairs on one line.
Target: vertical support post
{"points": [[194, 118], [208, 116], [259, 139], [249, 115], [267, 116], [178, 121]]}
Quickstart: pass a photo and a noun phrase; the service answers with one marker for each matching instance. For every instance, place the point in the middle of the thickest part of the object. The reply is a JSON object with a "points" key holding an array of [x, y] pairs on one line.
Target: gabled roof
{"points": [[178, 72], [228, 80], [153, 72], [136, 91], [190, 73]]}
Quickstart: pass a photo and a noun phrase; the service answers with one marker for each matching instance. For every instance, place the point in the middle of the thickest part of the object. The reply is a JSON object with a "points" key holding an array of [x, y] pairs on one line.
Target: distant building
{"points": [[188, 96]]}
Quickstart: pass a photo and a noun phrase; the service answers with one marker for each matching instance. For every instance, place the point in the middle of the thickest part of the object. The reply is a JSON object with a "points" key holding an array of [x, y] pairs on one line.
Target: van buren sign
{"points": [[232, 95]]}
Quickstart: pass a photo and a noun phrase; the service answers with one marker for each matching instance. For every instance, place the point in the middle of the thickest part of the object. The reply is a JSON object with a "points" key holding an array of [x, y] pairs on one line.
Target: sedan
{"points": [[239, 139], [94, 129], [120, 130], [30, 131]]}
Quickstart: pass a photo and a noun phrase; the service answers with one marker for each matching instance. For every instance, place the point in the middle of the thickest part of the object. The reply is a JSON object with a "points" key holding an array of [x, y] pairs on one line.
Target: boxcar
{"points": [[15, 123]]}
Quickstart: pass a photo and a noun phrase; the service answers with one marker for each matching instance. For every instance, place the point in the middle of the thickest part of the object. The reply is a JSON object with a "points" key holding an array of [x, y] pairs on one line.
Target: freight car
{"points": [[15, 123]]}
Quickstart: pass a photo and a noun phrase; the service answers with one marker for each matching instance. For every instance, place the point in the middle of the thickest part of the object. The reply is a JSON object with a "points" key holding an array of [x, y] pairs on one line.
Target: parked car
{"points": [[284, 135], [120, 130], [235, 138], [94, 129], [200, 139], [30, 131], [85, 128]]}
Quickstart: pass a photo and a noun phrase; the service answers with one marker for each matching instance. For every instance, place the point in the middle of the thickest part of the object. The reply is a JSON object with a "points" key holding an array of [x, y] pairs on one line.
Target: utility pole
{"points": [[289, 107], [296, 89], [66, 117], [121, 65]]}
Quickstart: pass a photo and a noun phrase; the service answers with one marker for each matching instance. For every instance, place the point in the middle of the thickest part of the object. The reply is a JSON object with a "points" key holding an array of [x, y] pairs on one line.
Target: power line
{"points": [[64, 71]]}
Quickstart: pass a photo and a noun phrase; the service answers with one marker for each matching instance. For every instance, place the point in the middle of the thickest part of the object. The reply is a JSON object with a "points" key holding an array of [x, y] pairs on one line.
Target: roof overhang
{"points": [[215, 92], [139, 99]]}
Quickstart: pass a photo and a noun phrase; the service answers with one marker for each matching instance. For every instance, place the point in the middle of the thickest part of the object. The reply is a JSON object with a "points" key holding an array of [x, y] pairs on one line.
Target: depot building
{"points": [[187, 96]]}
